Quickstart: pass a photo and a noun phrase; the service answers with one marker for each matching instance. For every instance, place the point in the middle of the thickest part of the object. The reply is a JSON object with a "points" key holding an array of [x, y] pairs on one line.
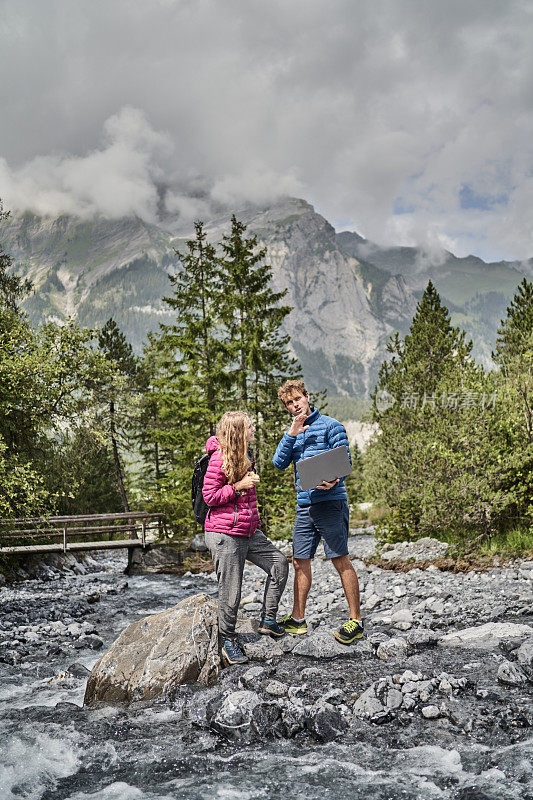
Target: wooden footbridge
{"points": [[86, 532]]}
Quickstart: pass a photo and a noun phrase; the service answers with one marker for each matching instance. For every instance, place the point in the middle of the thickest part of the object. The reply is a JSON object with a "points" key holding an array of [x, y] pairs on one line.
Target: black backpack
{"points": [[200, 508]]}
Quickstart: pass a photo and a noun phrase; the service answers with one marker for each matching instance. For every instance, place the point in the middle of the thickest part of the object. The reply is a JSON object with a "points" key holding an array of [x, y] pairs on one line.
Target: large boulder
{"points": [[156, 558], [487, 636], [154, 655]]}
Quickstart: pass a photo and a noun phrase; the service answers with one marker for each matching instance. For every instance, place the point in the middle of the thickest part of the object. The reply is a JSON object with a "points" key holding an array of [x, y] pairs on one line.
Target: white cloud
{"points": [[115, 180], [350, 104]]}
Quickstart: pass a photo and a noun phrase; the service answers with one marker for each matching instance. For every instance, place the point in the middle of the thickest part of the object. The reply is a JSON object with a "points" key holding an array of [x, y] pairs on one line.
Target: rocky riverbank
{"points": [[453, 652], [434, 702]]}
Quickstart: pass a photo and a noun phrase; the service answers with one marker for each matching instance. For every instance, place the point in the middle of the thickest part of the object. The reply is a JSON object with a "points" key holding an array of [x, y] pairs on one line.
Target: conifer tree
{"points": [[198, 354], [514, 351], [119, 352], [252, 314], [514, 424], [423, 463], [186, 377]]}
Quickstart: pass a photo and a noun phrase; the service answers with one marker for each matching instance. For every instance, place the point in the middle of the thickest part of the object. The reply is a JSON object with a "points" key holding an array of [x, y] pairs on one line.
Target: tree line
{"points": [[86, 425], [454, 455]]}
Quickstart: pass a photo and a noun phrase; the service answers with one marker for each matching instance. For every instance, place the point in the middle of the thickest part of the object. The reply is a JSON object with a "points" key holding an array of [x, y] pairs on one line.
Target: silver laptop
{"points": [[324, 467]]}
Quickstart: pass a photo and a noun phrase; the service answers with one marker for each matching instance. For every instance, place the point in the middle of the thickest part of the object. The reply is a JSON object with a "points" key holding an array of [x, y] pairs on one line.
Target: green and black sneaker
{"points": [[291, 626], [350, 631]]}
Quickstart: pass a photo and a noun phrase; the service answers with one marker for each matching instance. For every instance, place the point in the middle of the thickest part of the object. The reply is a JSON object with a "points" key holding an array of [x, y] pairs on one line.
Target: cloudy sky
{"points": [[410, 121]]}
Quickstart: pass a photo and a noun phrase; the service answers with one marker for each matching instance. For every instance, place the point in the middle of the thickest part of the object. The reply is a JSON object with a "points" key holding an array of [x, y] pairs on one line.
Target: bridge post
{"points": [[64, 538]]}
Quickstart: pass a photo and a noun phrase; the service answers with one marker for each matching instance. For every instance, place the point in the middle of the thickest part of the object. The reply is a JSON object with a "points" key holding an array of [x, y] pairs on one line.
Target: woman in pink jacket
{"points": [[233, 534]]}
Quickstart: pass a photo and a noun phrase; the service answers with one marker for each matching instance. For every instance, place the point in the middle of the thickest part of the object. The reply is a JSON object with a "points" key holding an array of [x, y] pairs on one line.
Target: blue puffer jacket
{"points": [[324, 433]]}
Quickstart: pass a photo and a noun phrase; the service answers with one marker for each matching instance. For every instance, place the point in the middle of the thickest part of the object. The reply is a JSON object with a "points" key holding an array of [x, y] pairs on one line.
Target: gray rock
{"points": [[78, 671], [402, 615], [236, 709], [261, 648], [394, 698], [266, 720], [326, 723], [511, 674], [252, 677], [424, 691], [276, 688], [408, 676], [154, 655], [430, 712], [486, 636], [334, 696], [422, 550], [155, 558], [420, 638], [92, 641], [293, 720], [367, 704], [408, 702], [322, 644], [373, 600], [375, 639], [392, 649], [524, 655], [298, 694], [310, 672]]}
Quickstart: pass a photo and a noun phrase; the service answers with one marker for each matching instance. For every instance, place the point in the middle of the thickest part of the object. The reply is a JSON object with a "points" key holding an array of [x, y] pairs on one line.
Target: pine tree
{"points": [[119, 352], [193, 341], [186, 379], [425, 463], [514, 351], [252, 314], [514, 424]]}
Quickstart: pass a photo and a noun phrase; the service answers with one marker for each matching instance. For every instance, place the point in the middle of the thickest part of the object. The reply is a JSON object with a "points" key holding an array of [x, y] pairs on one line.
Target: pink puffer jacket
{"points": [[228, 512]]}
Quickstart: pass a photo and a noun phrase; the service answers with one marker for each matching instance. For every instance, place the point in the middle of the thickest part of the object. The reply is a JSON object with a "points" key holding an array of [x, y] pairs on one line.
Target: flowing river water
{"points": [[51, 748]]}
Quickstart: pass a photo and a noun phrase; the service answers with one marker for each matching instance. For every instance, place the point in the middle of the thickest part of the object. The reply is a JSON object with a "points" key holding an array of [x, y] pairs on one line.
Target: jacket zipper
{"points": [[235, 517], [251, 518], [308, 491]]}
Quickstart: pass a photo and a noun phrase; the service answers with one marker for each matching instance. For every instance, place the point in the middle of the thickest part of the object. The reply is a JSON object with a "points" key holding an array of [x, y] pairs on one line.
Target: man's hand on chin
{"points": [[298, 424], [327, 484]]}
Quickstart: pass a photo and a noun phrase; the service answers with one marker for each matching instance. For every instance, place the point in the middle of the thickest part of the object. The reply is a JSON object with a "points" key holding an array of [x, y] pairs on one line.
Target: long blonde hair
{"points": [[232, 432]]}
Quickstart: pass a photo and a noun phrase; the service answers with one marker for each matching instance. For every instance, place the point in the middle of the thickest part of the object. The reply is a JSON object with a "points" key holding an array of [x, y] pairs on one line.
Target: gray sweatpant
{"points": [[229, 554]]}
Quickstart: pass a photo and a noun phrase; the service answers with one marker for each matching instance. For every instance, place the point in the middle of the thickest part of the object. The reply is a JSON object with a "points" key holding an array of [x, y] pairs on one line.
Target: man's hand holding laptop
{"points": [[327, 484]]}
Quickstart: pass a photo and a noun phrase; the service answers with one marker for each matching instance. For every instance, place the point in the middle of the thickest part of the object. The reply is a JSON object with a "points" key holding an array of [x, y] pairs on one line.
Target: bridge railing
{"points": [[56, 534]]}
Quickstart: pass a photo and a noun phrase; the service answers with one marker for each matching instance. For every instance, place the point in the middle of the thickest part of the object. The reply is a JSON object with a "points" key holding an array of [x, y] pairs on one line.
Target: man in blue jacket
{"points": [[321, 513]]}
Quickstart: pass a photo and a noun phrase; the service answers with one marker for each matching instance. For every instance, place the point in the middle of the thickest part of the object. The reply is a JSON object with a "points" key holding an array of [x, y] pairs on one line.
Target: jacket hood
{"points": [[211, 445]]}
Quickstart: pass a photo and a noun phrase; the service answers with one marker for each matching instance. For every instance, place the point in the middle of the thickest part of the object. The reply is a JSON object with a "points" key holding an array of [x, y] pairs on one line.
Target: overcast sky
{"points": [[410, 121]]}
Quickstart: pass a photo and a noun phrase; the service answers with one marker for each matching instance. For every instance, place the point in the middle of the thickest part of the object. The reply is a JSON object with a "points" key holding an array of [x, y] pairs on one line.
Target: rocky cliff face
{"points": [[339, 324], [347, 294]]}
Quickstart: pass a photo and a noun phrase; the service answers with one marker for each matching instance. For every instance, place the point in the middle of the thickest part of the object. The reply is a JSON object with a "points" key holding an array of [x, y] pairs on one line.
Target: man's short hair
{"points": [[291, 388]]}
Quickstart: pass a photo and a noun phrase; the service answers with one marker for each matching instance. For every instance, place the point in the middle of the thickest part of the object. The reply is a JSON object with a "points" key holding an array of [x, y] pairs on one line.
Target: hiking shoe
{"points": [[271, 627], [349, 632], [291, 626], [232, 652]]}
